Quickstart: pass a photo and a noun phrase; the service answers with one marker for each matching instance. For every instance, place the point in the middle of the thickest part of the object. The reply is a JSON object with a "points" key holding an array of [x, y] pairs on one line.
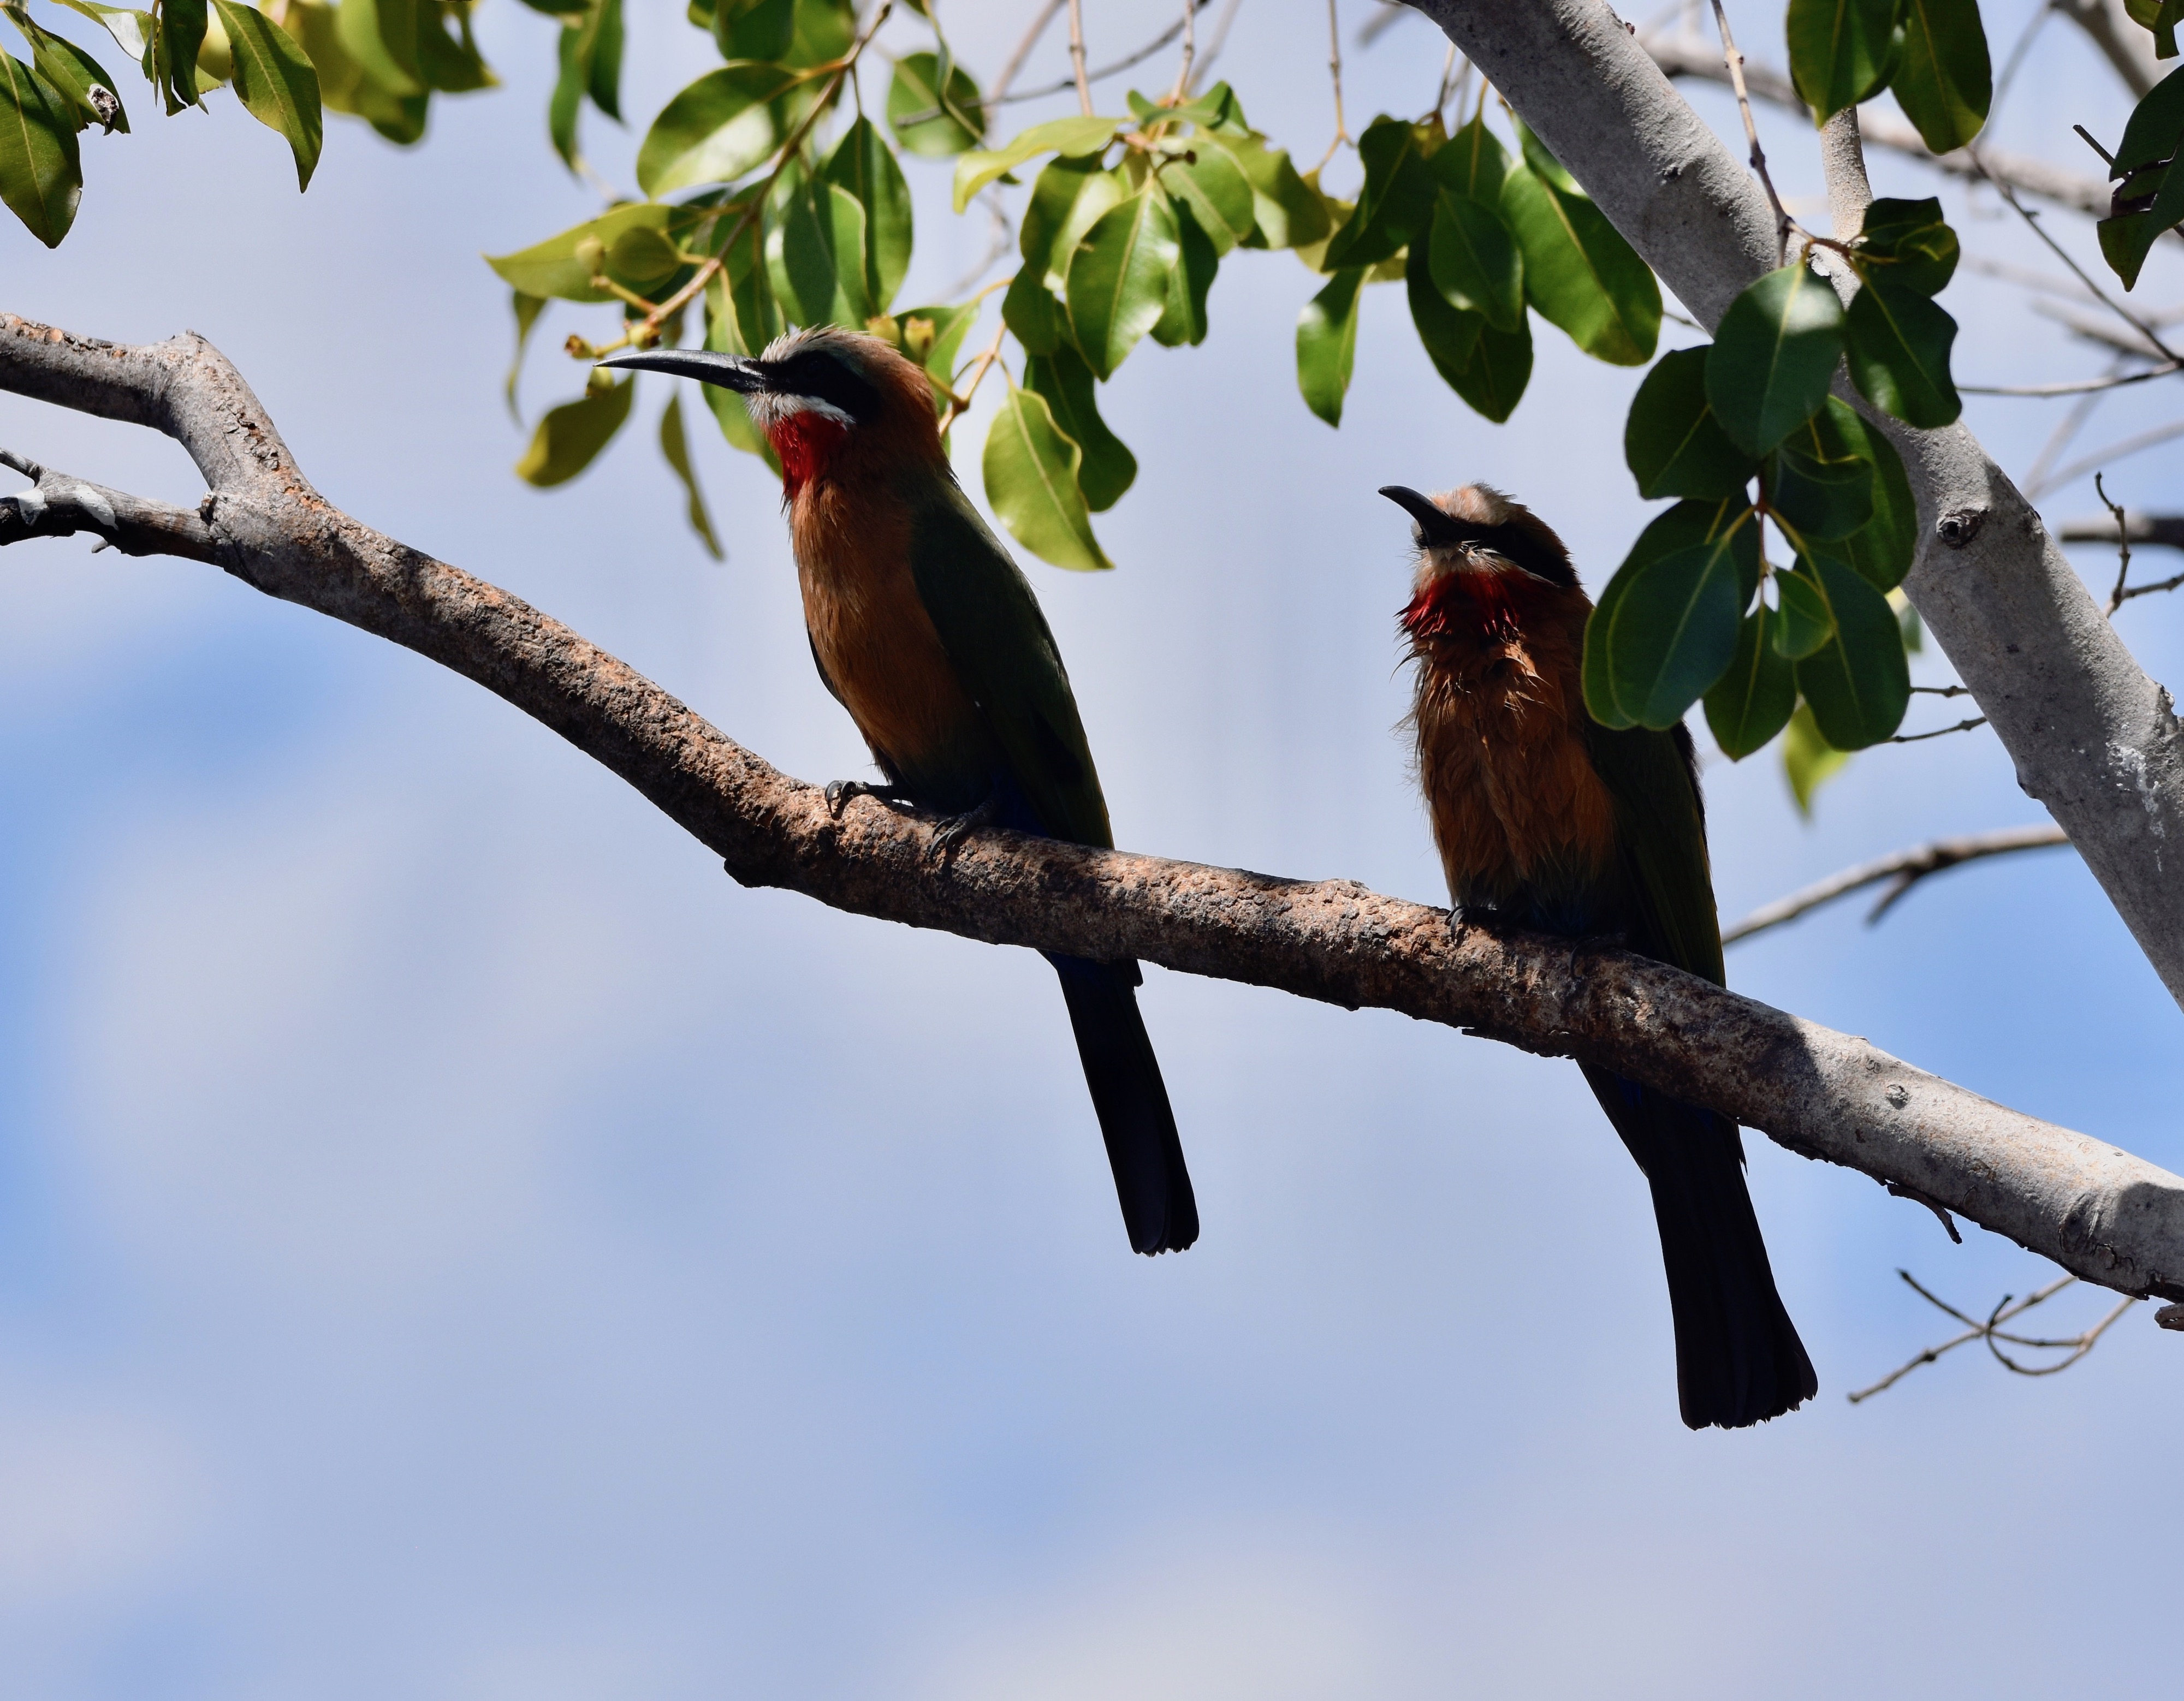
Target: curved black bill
{"points": [[729, 371], [1436, 528]]}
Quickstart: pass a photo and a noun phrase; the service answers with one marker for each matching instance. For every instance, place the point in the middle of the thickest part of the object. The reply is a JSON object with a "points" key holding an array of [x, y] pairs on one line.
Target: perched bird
{"points": [[926, 631], [1548, 819]]}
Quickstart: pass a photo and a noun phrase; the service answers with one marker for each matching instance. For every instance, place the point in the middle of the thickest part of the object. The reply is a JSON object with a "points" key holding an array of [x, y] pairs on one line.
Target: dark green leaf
{"points": [[1809, 760], [1943, 80], [1751, 701], [824, 31], [1579, 272], [275, 83], [1493, 379], [1032, 314], [40, 174], [2125, 241], [815, 254], [1815, 485], [1117, 283], [1805, 620], [1858, 683], [527, 307], [957, 123], [676, 447], [2155, 130], [1474, 260], [1450, 333], [1108, 467], [1881, 549], [571, 437], [566, 104], [1906, 243], [602, 55], [1672, 442], [1286, 211], [1327, 344], [174, 50], [740, 318], [1666, 627], [446, 63], [73, 73], [729, 122], [1031, 480], [1218, 193], [1840, 52], [864, 164], [1182, 321], [759, 30], [1898, 344], [1072, 138], [553, 267], [1396, 201], [1473, 162], [1772, 355]]}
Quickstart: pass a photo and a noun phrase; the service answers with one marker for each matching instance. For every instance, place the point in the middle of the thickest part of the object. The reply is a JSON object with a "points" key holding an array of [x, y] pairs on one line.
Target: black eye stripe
{"points": [[826, 378]]}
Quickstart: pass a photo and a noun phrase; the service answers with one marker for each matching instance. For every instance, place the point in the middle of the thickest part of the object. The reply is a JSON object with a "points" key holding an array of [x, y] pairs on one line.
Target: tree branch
{"points": [[2093, 738], [2109, 1217], [1903, 869]]}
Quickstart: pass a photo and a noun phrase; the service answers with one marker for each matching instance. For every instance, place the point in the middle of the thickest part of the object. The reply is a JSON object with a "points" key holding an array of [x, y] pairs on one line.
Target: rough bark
{"points": [[2093, 738], [2097, 1211]]}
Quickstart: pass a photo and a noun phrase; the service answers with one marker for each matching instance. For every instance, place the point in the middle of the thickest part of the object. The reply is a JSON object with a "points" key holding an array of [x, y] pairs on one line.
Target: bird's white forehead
{"points": [[769, 410]]}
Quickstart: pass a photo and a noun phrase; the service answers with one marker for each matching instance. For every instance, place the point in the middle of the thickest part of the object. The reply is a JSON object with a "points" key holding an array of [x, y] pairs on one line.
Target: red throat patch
{"points": [[805, 442], [1465, 604]]}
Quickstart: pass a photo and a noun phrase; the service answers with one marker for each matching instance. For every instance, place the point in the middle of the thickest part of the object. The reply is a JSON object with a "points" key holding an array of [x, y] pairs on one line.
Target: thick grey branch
{"points": [[57, 505], [2106, 1215], [2093, 738]]}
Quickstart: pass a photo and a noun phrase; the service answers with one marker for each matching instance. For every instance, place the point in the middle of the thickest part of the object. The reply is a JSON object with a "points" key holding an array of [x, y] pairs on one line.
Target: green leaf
{"points": [[1032, 481], [1065, 382], [1072, 138], [1218, 193], [1475, 262], [601, 52], [957, 123], [1030, 311], [933, 336], [759, 29], [729, 122], [1881, 551], [737, 301], [450, 66], [1751, 701], [1450, 333], [1473, 162], [1182, 319], [1286, 211], [1816, 486], [864, 164], [274, 81], [1579, 272], [1396, 200], [676, 447], [181, 33], [1117, 284], [343, 84], [571, 437], [1493, 379], [1809, 760], [1805, 620], [1858, 683], [1908, 244], [1898, 344], [1772, 355], [73, 74], [552, 267], [824, 31], [1327, 344], [527, 308], [1840, 52], [2155, 130], [1943, 80], [382, 37], [2125, 241], [1669, 630], [131, 30], [2161, 16], [40, 174], [566, 104], [815, 255], [1672, 442]]}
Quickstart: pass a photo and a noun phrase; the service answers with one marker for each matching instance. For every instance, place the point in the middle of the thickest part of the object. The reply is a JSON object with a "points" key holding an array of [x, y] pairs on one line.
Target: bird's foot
{"points": [[955, 829], [839, 791]]}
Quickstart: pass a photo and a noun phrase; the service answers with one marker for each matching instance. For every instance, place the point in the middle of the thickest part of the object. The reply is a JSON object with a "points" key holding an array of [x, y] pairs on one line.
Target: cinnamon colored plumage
{"points": [[1546, 818], [923, 628]]}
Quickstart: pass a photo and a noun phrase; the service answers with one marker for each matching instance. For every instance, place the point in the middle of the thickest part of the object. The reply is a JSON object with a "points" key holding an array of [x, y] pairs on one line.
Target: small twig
{"points": [[2064, 434], [1941, 691], [2076, 386], [1016, 60], [2087, 136], [1335, 70], [2074, 1346], [1220, 41], [1784, 224], [2078, 271], [2122, 544], [960, 401], [2113, 451], [1189, 52], [1077, 55], [1907, 867], [1973, 724]]}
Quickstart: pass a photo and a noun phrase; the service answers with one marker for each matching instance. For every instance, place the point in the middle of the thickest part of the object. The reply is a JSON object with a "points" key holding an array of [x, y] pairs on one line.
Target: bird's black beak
{"points": [[729, 371], [1436, 529]]}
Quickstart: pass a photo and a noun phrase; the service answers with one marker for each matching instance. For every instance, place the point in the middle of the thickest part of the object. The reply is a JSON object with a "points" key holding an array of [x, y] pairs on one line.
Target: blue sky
{"points": [[455, 1244]]}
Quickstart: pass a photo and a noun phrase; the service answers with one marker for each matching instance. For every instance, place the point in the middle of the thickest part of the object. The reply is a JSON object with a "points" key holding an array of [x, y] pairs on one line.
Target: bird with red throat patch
{"points": [[925, 630], [1545, 819]]}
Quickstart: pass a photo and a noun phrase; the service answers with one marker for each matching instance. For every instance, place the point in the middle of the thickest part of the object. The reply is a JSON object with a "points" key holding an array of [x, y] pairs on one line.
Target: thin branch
{"points": [[1008, 78], [2123, 545], [2064, 434], [2076, 1346], [1903, 869], [1189, 52], [960, 402], [999, 98], [2075, 387], [1077, 55], [2111, 1218], [1735, 61], [1220, 40], [2113, 451], [2079, 272], [1971, 725], [1335, 70]]}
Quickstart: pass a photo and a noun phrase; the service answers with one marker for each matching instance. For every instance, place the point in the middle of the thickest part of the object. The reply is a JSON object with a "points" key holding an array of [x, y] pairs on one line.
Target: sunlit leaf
{"points": [[181, 32], [131, 30], [274, 81], [1473, 162], [1285, 210], [527, 308], [1943, 79], [864, 164], [1032, 481], [1579, 272], [40, 174], [1809, 760], [1071, 138], [382, 37], [570, 437], [1117, 283], [1898, 344], [1327, 344], [1475, 261], [1805, 620], [815, 255], [452, 64], [729, 122], [555, 268], [1772, 355], [1182, 319], [1673, 443], [957, 124], [1840, 51], [1218, 192]]}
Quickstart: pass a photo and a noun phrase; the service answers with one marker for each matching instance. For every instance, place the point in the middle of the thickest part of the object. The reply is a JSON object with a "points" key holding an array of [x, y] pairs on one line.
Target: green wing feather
{"points": [[998, 643], [1661, 834]]}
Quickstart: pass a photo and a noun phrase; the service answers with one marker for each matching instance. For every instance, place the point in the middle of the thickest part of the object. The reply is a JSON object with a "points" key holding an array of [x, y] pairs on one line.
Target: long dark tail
{"points": [[1739, 1360], [1158, 1207]]}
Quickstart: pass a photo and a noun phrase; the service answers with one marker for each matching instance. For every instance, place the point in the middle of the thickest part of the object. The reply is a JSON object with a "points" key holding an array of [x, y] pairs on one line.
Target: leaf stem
{"points": [[958, 404], [1077, 55]]}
